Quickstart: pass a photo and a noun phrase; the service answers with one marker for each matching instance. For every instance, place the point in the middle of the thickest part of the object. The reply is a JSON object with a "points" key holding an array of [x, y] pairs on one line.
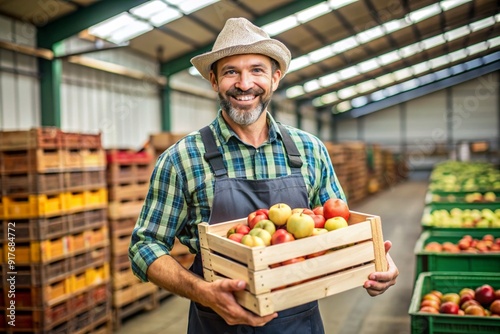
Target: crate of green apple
{"points": [[291, 256], [457, 217], [456, 302], [476, 250]]}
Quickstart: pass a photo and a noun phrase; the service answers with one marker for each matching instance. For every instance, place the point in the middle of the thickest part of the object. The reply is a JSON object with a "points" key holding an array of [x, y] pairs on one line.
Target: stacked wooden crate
{"points": [[128, 174], [54, 233]]}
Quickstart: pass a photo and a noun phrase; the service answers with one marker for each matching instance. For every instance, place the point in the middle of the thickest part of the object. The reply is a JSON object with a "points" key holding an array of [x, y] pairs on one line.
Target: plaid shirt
{"points": [[182, 185]]}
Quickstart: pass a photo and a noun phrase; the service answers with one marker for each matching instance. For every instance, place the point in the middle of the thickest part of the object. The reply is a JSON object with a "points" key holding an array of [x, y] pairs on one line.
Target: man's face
{"points": [[245, 84]]}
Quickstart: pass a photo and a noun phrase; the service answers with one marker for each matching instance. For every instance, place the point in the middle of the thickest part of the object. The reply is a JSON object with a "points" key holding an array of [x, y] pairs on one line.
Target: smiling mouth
{"points": [[244, 97]]}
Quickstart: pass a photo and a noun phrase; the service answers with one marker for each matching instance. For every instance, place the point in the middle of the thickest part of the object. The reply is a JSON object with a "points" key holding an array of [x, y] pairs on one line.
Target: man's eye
{"points": [[230, 72]]}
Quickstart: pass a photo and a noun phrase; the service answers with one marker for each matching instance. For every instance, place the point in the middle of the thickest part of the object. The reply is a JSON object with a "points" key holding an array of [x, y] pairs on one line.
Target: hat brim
{"points": [[271, 48]]}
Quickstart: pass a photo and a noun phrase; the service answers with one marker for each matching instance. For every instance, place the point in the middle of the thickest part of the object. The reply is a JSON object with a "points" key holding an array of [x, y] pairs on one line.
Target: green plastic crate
{"points": [[426, 323], [463, 205], [426, 227], [466, 262]]}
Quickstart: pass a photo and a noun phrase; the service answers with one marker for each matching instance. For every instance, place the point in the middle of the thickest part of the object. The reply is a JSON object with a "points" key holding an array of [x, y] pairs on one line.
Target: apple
{"points": [[252, 241], [449, 307], [437, 293], [319, 221], [256, 216], [316, 254], [485, 294], [451, 297], [468, 303], [433, 246], [495, 307], [300, 225], [318, 231], [465, 297], [497, 294], [431, 296], [335, 207], [303, 210], [428, 309], [279, 213], [267, 225], [280, 236], [236, 237], [430, 302], [318, 210], [294, 260], [466, 291], [335, 223], [475, 310], [262, 234], [238, 228]]}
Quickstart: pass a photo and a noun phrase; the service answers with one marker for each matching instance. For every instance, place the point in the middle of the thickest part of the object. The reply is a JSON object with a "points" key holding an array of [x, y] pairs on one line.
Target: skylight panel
{"points": [[439, 61], [298, 63], [359, 101], [106, 28], [449, 4], [165, 16], [284, 24], [343, 106], [402, 74], [320, 54], [457, 55], [345, 44], [346, 93], [494, 42], [389, 57], [370, 34], [313, 12], [368, 65], [149, 9], [420, 68], [423, 13], [190, 6], [481, 24], [130, 31], [410, 84], [392, 90], [378, 95], [329, 79], [367, 86], [457, 33], [385, 79], [294, 92], [433, 42], [410, 50], [394, 25], [336, 4], [311, 86], [329, 98], [349, 72], [476, 48]]}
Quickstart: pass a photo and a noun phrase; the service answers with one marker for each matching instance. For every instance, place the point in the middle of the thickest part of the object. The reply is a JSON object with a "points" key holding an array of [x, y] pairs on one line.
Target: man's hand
{"points": [[224, 303], [378, 282]]}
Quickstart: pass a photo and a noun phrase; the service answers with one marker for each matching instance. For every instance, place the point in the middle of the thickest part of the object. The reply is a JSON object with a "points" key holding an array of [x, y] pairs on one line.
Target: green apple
{"points": [[319, 230], [335, 223], [279, 213], [252, 241], [301, 225], [261, 233], [267, 225]]}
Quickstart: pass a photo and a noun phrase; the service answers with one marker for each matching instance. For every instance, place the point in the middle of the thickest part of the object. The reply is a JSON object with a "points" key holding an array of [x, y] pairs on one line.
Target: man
{"points": [[242, 161]]}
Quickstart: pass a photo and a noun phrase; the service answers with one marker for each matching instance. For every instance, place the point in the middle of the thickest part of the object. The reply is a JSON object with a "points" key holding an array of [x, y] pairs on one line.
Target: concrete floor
{"points": [[350, 312]]}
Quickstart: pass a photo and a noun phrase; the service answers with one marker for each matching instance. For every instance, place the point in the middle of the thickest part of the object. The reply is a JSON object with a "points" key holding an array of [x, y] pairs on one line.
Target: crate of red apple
{"points": [[291, 256], [475, 250], [449, 302]]}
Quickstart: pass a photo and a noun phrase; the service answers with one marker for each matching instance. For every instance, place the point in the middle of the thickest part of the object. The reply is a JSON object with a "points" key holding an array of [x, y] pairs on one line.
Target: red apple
{"points": [[319, 221], [335, 207], [280, 236], [294, 260], [318, 210], [497, 294], [465, 297], [236, 237], [485, 294], [495, 307], [449, 308], [238, 228], [300, 225], [279, 213], [256, 216], [468, 303], [430, 302]]}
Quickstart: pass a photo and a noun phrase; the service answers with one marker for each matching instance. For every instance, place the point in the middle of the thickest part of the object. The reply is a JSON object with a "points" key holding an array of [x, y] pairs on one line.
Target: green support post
{"points": [[50, 89]]}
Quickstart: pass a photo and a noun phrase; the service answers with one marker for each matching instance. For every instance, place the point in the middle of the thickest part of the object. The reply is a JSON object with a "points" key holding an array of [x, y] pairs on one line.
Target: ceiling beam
{"points": [[422, 90], [81, 19], [184, 62]]}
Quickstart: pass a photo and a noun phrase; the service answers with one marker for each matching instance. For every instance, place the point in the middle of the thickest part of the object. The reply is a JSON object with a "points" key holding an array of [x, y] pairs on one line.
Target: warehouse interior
{"points": [[404, 94]]}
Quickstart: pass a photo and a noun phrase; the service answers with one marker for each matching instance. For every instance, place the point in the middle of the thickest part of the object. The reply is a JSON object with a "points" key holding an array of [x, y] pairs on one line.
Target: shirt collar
{"points": [[226, 133]]}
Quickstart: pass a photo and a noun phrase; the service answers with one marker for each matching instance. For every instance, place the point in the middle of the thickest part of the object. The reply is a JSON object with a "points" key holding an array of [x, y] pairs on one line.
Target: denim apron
{"points": [[236, 198]]}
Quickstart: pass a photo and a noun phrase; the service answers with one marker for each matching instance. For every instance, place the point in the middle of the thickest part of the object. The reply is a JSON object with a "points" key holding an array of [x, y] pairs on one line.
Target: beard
{"points": [[243, 116]]}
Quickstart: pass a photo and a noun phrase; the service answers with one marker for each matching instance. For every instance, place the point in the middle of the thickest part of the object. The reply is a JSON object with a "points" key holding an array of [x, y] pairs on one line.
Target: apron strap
{"points": [[212, 154], [292, 152]]}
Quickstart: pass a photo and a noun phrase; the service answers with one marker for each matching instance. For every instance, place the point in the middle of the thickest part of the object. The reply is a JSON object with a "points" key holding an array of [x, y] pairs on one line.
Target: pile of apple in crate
{"points": [[457, 287], [291, 256]]}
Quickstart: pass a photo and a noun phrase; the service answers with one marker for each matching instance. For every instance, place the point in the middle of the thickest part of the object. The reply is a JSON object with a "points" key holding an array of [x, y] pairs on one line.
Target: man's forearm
{"points": [[167, 273]]}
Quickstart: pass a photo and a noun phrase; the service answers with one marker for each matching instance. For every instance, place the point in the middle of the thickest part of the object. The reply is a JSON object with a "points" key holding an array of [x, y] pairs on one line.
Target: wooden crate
{"points": [[32, 183], [127, 191], [352, 254], [31, 161], [43, 137]]}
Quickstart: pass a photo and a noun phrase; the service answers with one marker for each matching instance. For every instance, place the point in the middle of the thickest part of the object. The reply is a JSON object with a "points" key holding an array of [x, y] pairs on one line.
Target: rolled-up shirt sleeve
{"points": [[159, 220]]}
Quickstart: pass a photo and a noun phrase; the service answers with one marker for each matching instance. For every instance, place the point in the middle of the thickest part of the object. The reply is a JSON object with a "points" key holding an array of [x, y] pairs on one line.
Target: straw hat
{"points": [[240, 36]]}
